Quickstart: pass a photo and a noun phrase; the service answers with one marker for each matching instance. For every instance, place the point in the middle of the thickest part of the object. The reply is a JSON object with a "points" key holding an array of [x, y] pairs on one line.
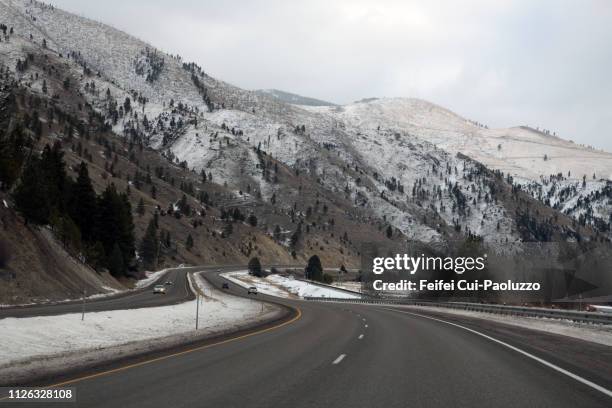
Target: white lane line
{"points": [[339, 359], [360, 336], [518, 350]]}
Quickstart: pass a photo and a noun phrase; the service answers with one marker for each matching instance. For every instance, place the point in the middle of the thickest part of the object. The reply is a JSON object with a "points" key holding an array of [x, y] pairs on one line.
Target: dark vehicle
{"points": [[225, 285]]}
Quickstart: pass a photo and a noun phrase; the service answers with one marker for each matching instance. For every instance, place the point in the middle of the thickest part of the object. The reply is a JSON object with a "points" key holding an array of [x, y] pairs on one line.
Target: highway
{"points": [[344, 355], [144, 297]]}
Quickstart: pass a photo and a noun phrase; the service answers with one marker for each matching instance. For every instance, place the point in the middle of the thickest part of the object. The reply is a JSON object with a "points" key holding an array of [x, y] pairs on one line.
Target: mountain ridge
{"points": [[294, 99], [322, 179]]}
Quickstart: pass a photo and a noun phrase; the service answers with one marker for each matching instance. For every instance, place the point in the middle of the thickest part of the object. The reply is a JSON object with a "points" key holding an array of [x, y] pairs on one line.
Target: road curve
{"points": [[343, 355], [178, 292]]}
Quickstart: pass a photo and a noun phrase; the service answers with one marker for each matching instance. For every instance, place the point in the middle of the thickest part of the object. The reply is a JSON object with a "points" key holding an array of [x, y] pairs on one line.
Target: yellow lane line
{"points": [[153, 360]]}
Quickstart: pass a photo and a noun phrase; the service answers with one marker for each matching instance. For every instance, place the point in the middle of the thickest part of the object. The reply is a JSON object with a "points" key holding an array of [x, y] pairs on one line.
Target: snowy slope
{"points": [[294, 98], [394, 159], [589, 201], [281, 286], [519, 150]]}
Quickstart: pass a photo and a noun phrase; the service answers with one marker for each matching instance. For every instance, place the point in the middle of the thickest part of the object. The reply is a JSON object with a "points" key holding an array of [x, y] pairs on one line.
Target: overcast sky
{"points": [[503, 63]]}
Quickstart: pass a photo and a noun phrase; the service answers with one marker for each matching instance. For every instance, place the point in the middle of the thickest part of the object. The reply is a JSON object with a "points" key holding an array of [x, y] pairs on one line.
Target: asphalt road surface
{"points": [[342, 355]]}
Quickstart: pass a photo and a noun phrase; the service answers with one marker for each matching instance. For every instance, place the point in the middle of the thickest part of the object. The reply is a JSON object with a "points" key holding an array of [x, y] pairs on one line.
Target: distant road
{"points": [[144, 297], [353, 355]]}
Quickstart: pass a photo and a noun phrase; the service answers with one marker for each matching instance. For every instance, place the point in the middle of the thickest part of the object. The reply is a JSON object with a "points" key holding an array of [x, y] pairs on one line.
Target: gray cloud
{"points": [[503, 63]]}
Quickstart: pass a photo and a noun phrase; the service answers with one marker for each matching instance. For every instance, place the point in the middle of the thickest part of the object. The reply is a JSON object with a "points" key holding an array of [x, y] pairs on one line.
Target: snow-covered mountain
{"points": [[520, 151], [295, 98], [396, 160]]}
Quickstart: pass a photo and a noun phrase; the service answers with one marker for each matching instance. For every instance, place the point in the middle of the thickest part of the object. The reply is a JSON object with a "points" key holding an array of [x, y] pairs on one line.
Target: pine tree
{"points": [[94, 255], [314, 270], [127, 239], [254, 267], [68, 233], [295, 238], [14, 149], [29, 195], [149, 249], [83, 204], [115, 224], [141, 208], [53, 169], [183, 206], [115, 262]]}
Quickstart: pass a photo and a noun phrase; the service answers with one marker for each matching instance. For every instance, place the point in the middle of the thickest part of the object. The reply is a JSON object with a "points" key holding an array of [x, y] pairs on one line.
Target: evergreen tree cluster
{"points": [[255, 268], [149, 64], [314, 270], [97, 228]]}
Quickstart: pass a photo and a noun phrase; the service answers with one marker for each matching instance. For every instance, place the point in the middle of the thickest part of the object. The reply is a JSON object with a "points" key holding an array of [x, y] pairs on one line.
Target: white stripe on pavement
{"points": [[339, 359], [518, 350]]}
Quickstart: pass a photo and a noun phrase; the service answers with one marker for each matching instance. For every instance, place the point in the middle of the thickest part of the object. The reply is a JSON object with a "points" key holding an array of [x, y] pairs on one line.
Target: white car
{"points": [[159, 289], [252, 290]]}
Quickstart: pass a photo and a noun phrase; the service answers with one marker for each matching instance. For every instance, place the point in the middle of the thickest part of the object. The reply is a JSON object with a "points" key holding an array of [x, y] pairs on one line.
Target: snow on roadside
{"points": [[47, 342], [151, 277], [281, 286], [594, 333]]}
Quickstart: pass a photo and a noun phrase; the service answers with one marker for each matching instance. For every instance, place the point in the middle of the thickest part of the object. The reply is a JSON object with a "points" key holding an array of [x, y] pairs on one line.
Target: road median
{"points": [[71, 346]]}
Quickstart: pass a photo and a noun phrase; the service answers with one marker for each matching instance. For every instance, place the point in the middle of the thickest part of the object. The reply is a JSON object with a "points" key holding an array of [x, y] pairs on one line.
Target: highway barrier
{"points": [[525, 311]]}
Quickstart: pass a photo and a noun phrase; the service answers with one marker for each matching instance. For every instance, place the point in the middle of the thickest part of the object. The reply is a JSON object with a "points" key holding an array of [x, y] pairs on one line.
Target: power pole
{"points": [[83, 305], [197, 309]]}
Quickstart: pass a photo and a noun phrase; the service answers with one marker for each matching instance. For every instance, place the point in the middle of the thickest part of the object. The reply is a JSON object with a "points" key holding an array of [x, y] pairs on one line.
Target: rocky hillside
{"points": [[228, 173]]}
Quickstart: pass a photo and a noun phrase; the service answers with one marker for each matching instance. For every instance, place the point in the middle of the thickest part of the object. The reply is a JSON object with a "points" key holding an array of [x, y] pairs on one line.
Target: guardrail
{"points": [[323, 285], [540, 312]]}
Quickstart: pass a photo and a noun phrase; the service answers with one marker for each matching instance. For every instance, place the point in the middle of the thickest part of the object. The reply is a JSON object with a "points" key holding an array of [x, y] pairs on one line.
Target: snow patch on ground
{"points": [[287, 287], [150, 278], [40, 344]]}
